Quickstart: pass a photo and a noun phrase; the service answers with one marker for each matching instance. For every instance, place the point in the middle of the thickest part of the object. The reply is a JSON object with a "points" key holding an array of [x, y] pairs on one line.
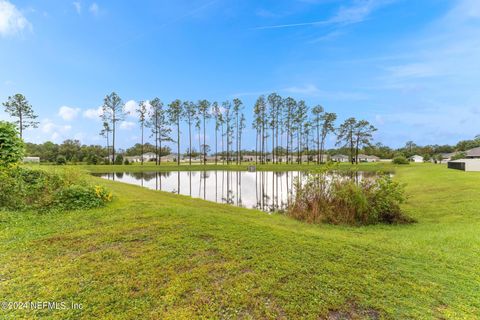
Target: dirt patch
{"points": [[353, 312]]}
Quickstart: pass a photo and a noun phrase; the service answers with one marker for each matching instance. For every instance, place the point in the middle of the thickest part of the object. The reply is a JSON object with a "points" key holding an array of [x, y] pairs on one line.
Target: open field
{"points": [[151, 255]]}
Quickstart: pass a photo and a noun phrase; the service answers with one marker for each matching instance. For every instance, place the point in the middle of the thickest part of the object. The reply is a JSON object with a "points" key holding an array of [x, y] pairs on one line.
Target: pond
{"points": [[264, 190]]}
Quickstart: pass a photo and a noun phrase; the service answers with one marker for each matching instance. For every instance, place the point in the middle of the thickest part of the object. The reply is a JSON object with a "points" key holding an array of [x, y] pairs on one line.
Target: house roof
{"points": [[475, 152], [340, 156], [416, 156]]}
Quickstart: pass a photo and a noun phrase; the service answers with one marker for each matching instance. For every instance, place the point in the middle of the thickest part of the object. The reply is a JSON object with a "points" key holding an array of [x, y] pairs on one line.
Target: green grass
{"points": [[155, 255]]}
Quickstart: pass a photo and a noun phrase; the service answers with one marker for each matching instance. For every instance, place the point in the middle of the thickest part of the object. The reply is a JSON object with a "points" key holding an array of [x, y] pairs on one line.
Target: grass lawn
{"points": [[155, 255]]}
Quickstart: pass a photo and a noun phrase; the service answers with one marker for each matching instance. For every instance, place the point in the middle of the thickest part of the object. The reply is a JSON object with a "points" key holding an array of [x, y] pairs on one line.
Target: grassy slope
{"points": [[156, 255]]}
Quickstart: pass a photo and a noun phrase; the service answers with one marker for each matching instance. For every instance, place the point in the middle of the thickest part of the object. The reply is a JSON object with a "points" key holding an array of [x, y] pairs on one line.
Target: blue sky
{"points": [[410, 67]]}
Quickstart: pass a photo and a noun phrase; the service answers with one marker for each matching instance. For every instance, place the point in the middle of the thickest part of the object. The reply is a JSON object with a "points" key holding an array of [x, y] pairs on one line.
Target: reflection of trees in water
{"points": [[274, 191]]}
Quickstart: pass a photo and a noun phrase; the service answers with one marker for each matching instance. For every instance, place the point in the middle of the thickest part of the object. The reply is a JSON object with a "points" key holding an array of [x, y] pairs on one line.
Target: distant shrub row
{"points": [[27, 189], [339, 200]]}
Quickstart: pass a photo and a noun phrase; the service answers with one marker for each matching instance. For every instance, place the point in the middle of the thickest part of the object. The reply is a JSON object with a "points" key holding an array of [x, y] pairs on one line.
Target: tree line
{"points": [[280, 124]]}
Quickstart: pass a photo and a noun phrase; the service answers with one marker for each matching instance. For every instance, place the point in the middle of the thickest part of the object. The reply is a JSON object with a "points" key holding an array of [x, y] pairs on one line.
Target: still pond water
{"points": [[264, 190]]}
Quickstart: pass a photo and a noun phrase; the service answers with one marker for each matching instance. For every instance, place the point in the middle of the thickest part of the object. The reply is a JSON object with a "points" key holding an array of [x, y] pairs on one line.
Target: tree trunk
{"points": [[204, 145], [141, 157], [178, 140], [190, 141]]}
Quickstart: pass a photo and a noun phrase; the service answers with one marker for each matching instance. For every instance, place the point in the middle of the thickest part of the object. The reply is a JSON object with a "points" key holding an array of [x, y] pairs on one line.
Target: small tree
{"points": [[19, 107], [175, 113], [112, 112], [346, 136], [142, 117], [11, 145], [119, 159]]}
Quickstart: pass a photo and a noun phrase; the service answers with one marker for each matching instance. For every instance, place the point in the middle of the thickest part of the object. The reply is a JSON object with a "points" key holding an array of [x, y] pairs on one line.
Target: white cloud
{"points": [[68, 113], [54, 131], [12, 21], [311, 90], [93, 114], [94, 9], [130, 107], [78, 6], [356, 13], [127, 125]]}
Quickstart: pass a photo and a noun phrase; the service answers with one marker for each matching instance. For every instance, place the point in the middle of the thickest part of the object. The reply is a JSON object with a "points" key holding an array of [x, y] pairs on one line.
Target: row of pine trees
{"points": [[283, 126]]}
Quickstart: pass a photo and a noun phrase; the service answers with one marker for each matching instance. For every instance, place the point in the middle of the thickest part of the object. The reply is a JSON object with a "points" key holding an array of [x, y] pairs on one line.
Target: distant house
{"points": [[446, 157], [149, 156], [473, 153], [367, 158], [248, 157], [340, 158], [416, 158], [172, 157], [31, 160], [133, 159], [465, 164]]}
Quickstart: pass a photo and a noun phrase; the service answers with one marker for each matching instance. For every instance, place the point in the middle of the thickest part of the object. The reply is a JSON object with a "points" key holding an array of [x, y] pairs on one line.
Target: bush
{"points": [[119, 159], [400, 160], [11, 146], [26, 189], [61, 160], [339, 200], [81, 197]]}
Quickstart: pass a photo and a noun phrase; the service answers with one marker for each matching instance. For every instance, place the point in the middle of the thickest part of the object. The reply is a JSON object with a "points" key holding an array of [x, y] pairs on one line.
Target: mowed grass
{"points": [[155, 255]]}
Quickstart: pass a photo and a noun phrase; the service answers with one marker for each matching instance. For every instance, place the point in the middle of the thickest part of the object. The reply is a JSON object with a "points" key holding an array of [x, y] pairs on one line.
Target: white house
{"points": [[149, 156], [31, 160], [366, 158], [133, 159], [416, 158], [340, 158], [465, 164]]}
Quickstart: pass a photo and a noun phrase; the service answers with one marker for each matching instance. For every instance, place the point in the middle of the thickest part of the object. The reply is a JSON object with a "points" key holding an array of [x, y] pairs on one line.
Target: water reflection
{"points": [[264, 190]]}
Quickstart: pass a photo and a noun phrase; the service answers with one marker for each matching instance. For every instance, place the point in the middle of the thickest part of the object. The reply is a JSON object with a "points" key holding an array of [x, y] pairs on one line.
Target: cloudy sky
{"points": [[410, 67]]}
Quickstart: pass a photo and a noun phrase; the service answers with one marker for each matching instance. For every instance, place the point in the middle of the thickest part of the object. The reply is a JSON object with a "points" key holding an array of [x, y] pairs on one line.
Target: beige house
{"points": [[465, 164]]}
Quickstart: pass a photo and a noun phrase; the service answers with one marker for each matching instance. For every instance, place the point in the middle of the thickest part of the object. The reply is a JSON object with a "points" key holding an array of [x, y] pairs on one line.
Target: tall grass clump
{"points": [[336, 199], [35, 189]]}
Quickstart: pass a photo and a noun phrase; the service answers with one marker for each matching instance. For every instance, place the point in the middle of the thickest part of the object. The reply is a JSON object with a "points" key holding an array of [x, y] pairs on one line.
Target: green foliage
{"points": [[17, 106], [11, 146], [339, 200], [119, 159], [76, 197], [460, 155], [25, 189], [61, 160], [400, 160]]}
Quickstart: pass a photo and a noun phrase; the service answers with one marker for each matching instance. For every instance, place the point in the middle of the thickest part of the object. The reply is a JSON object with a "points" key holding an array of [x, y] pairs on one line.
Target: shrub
{"points": [[26, 189], [81, 197], [61, 160], [119, 159], [11, 146], [126, 162], [400, 160], [339, 200]]}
